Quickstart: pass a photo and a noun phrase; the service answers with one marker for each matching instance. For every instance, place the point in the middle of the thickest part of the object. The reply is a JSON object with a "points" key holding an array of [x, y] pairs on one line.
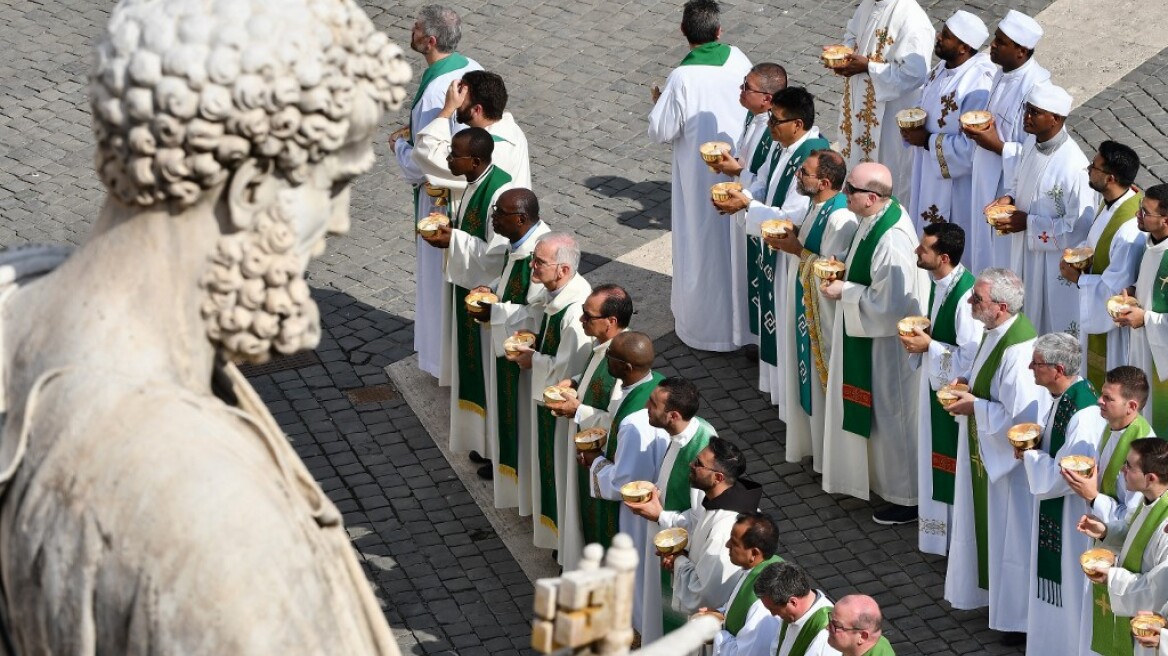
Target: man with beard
{"points": [[435, 36], [151, 502], [702, 575], [606, 314], [943, 351], [805, 338], [1000, 145], [1054, 205], [942, 153], [478, 100], [753, 150], [1117, 244], [775, 196], [749, 628]]}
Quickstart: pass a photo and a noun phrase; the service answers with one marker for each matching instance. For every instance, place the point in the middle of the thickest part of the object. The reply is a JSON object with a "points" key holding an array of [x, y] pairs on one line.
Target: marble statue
{"points": [[150, 503]]}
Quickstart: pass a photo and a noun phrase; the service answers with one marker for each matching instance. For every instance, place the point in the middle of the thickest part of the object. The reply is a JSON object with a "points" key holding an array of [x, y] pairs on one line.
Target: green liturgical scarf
{"points": [[1097, 344], [707, 54], [942, 424], [1109, 480], [740, 606], [677, 500], [596, 394], [881, 648], [451, 62], [507, 378], [811, 628], [805, 311], [549, 342]]}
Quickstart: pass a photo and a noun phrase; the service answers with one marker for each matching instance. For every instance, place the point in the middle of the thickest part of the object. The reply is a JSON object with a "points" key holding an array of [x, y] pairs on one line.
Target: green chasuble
{"points": [[881, 648], [1018, 332], [606, 521], [761, 277], [472, 391], [811, 628], [942, 424], [1097, 344], [1109, 479], [857, 354], [707, 54], [549, 342], [507, 377], [677, 500], [1111, 634], [754, 244], [1078, 396], [806, 302], [740, 606], [596, 394]]}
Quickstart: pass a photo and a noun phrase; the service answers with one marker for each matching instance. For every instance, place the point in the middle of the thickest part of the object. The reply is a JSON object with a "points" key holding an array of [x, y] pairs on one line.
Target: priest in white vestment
{"points": [[606, 314], [999, 146], [1149, 321], [435, 36], [479, 100], [1117, 244], [942, 153], [1072, 427], [943, 351], [749, 628], [991, 554], [805, 612], [805, 340], [775, 196], [699, 104], [870, 423], [560, 348], [893, 43], [1055, 204], [751, 155]]}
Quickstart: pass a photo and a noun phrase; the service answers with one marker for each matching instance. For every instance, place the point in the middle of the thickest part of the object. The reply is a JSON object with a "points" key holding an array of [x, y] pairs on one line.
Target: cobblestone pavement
{"points": [[578, 73]]}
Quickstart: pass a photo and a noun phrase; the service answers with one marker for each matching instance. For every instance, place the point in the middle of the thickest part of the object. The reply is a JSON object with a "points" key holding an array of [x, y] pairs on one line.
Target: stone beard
{"points": [[256, 302]]}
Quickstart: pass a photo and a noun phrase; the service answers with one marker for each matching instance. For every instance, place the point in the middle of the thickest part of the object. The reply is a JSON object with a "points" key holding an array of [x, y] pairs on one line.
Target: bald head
{"points": [[522, 201], [862, 610], [633, 348], [873, 177]]}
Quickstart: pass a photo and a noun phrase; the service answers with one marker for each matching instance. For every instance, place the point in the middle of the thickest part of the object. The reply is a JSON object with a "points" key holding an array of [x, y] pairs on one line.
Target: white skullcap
{"points": [[1022, 29], [968, 28], [1050, 97]]}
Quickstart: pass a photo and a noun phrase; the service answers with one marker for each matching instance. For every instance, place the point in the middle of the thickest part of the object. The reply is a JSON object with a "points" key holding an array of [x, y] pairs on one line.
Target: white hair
{"points": [[1005, 287], [567, 249], [1062, 349]]}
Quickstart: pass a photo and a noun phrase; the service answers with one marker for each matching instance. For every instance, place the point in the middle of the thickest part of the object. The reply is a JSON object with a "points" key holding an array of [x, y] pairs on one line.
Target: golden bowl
{"points": [[671, 541], [1147, 626], [1095, 559], [1081, 465], [721, 191], [1024, 436], [835, 56], [906, 325], [996, 214], [1080, 257], [828, 270], [637, 491], [513, 343], [947, 395], [592, 439], [978, 119], [776, 228], [477, 300], [913, 117], [1119, 304], [556, 394], [712, 150], [435, 192], [428, 227]]}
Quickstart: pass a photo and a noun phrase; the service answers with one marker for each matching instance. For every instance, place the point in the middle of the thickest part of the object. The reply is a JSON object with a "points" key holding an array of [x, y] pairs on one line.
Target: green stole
{"points": [[1018, 332], [857, 353], [811, 628], [549, 343], [607, 518], [707, 54], [1159, 388], [762, 148], [1049, 569], [472, 390], [1109, 479], [596, 394], [451, 62], [677, 500], [942, 425], [507, 377], [806, 302], [754, 244], [762, 275], [1111, 634], [742, 602], [881, 648], [1097, 344]]}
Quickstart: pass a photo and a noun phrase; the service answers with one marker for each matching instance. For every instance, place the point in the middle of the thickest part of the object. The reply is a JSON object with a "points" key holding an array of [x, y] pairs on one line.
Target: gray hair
{"points": [[1005, 287], [443, 24], [1062, 349], [567, 250], [781, 581]]}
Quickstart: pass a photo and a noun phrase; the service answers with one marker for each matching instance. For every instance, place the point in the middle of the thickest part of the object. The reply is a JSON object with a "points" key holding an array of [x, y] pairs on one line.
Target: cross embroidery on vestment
{"points": [[1044, 237]]}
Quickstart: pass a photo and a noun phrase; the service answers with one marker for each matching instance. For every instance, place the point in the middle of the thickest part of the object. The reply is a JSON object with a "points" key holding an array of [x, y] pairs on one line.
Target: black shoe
{"points": [[555, 554], [487, 472], [1013, 639], [751, 353], [893, 515], [477, 459]]}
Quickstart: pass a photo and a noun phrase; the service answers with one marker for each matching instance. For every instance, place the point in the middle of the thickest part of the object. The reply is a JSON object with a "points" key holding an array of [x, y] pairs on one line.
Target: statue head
{"points": [[266, 109]]}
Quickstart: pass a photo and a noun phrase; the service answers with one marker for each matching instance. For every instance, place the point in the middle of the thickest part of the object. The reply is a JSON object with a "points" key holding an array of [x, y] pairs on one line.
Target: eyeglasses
{"points": [[451, 157], [747, 89], [804, 172], [849, 189], [776, 122], [540, 262], [836, 626], [1128, 466], [1092, 167], [584, 316], [495, 211], [1035, 365], [609, 356], [1143, 213]]}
